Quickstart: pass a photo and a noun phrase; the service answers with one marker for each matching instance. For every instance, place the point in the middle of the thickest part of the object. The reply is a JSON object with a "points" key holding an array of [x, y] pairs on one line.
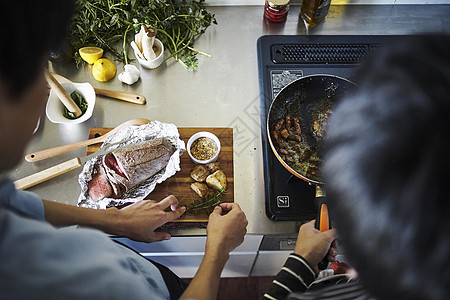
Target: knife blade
{"points": [[52, 172]]}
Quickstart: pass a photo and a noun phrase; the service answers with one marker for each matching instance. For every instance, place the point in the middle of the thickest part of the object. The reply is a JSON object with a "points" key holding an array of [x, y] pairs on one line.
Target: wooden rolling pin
{"points": [[62, 94]]}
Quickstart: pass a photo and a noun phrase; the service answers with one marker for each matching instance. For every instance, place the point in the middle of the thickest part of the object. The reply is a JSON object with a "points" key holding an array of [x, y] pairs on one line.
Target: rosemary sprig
{"points": [[207, 203], [104, 23]]}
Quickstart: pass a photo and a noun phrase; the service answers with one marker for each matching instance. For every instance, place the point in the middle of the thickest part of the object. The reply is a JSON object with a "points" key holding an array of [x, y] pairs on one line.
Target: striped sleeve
{"points": [[295, 276], [338, 291]]}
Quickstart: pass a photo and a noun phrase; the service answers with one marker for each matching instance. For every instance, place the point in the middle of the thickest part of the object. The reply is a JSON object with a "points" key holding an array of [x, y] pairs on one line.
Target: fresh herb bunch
{"points": [[207, 203], [80, 102], [104, 23]]}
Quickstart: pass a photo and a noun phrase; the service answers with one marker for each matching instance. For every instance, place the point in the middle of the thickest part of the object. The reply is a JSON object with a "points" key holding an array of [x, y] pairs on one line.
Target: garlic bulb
{"points": [[130, 74]]}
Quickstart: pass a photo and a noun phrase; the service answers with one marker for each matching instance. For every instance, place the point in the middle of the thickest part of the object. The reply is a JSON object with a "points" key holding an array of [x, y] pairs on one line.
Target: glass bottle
{"points": [[276, 10], [314, 11]]}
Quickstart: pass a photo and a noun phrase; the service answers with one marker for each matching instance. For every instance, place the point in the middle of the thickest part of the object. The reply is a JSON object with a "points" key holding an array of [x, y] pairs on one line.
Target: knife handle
{"points": [[129, 97], [323, 224], [47, 174], [323, 219]]}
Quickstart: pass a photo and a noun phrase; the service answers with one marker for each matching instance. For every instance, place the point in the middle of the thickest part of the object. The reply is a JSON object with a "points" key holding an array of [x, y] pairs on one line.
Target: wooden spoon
{"points": [[129, 97], [43, 154]]}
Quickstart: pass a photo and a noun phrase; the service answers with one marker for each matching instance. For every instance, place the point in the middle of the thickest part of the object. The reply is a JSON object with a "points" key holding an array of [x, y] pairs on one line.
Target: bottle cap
{"points": [[278, 3]]}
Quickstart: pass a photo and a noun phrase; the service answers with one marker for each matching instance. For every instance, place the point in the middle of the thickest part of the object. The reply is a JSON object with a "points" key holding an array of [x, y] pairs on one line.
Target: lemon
{"points": [[103, 69], [90, 54]]}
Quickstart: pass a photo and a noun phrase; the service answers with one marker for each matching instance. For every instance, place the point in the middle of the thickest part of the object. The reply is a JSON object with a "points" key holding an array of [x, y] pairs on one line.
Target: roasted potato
{"points": [[217, 180], [199, 173], [213, 167], [200, 188]]}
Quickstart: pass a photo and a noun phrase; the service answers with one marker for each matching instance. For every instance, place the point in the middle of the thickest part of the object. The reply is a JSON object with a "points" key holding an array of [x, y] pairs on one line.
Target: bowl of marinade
{"points": [[203, 147]]}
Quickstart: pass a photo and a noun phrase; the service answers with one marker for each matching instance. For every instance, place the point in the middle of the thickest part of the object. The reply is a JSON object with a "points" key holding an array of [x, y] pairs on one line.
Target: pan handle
{"points": [[323, 223]]}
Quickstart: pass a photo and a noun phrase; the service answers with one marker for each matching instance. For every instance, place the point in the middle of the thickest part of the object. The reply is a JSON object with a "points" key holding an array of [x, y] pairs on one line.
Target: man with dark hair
{"points": [[387, 176], [39, 260]]}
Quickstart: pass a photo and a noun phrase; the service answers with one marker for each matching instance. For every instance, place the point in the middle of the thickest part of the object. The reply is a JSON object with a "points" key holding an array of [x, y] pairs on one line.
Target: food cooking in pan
{"points": [[287, 139]]}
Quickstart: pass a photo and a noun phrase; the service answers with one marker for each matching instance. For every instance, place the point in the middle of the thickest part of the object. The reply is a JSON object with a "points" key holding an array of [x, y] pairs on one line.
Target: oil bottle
{"points": [[314, 11]]}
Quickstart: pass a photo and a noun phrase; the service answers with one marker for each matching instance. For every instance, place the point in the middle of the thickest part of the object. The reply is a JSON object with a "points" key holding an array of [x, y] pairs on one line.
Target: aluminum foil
{"points": [[127, 136]]}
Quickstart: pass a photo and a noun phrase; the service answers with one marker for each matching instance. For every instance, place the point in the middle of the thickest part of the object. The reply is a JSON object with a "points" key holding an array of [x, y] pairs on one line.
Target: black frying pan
{"points": [[311, 99]]}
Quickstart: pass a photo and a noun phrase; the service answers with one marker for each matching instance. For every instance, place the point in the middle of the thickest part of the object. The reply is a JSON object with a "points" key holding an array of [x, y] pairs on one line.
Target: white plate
{"points": [[55, 108]]}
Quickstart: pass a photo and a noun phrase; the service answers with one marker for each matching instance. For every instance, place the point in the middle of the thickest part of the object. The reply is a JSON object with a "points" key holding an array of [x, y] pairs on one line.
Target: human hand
{"points": [[314, 245], [226, 229], [139, 220]]}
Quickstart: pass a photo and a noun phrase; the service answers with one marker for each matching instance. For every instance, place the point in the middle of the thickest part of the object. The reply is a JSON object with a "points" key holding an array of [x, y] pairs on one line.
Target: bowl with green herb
{"points": [[82, 94]]}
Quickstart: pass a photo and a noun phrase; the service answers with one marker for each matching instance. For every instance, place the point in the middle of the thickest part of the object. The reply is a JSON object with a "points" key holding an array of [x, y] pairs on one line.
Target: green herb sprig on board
{"points": [[207, 204], [105, 23]]}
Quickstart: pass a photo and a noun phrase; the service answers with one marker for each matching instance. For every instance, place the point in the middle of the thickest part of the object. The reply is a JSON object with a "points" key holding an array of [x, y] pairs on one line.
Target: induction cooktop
{"points": [[281, 60]]}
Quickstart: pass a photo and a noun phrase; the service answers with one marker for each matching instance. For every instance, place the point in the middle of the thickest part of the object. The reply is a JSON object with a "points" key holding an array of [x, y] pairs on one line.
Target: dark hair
{"points": [[387, 171], [29, 29]]}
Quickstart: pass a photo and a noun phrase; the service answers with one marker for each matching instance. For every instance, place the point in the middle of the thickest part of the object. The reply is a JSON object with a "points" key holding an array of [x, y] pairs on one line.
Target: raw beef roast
{"points": [[121, 170]]}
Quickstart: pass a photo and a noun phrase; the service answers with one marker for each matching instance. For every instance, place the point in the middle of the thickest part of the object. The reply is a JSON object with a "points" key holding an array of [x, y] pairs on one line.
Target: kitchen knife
{"points": [[32, 180]]}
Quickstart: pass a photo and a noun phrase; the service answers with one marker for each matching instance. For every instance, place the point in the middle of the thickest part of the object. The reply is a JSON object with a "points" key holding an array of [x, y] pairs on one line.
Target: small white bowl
{"points": [[195, 137], [55, 108], [154, 63]]}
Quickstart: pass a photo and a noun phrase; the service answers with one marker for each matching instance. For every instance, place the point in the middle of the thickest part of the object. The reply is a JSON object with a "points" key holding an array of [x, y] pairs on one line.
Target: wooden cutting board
{"points": [[179, 184]]}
